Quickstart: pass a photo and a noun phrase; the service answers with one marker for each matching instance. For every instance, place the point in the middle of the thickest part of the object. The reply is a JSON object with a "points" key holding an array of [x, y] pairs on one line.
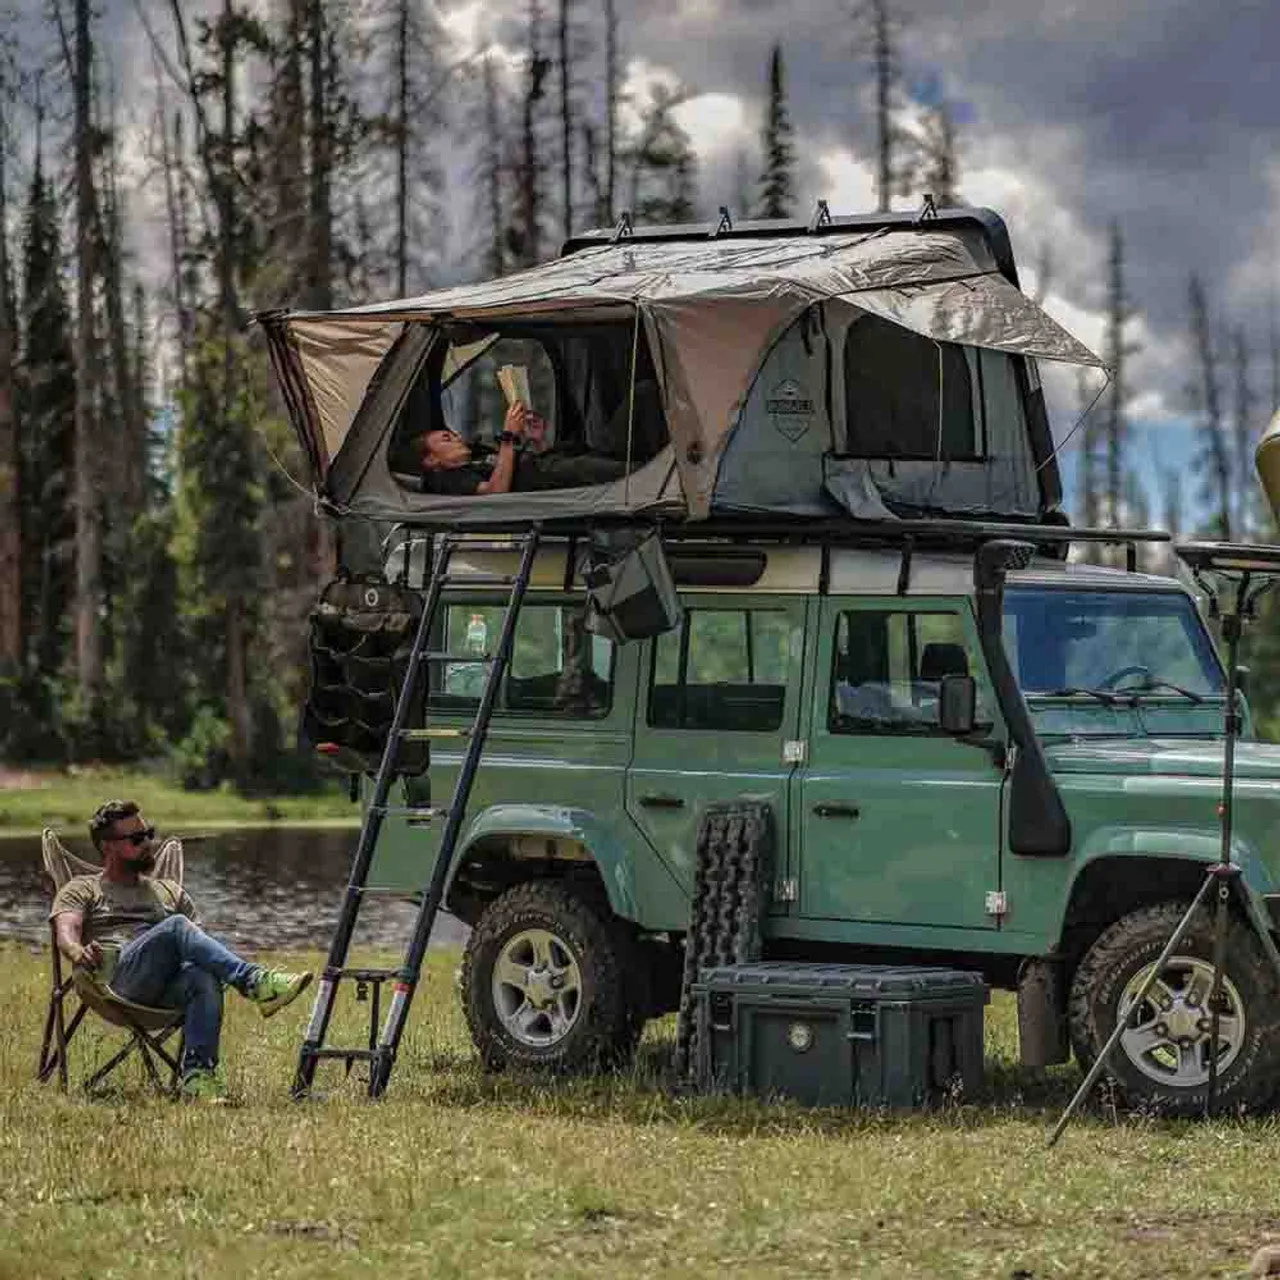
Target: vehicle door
{"points": [[899, 822], [720, 701]]}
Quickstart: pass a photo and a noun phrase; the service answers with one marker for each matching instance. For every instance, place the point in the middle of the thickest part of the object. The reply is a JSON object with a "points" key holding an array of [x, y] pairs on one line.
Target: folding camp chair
{"points": [[149, 1029]]}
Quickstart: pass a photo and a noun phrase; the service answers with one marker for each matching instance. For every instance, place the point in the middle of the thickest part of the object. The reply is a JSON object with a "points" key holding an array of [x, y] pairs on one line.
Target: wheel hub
{"points": [[1172, 1039], [537, 988]]}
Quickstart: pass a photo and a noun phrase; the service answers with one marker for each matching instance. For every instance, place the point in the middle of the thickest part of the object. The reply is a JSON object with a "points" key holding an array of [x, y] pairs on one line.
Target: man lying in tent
{"points": [[521, 463]]}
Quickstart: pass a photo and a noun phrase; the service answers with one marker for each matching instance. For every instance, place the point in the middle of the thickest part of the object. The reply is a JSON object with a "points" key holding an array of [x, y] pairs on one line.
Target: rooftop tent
{"points": [[796, 373]]}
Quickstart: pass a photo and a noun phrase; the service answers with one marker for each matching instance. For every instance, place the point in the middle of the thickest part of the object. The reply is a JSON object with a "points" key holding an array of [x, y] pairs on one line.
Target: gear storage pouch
{"points": [[361, 634], [631, 594]]}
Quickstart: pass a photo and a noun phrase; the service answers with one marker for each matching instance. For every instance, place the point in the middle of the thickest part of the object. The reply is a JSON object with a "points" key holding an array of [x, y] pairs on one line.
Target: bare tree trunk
{"points": [[1214, 456], [88, 513], [566, 124], [1088, 455], [126, 465], [171, 159], [610, 107], [1116, 351], [492, 175], [402, 146], [1244, 412], [10, 522], [884, 65], [321, 216], [531, 248]]}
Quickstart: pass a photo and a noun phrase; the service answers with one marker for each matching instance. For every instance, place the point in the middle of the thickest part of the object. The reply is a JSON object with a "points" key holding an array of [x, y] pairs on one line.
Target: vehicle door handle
{"points": [[824, 810], [661, 801]]}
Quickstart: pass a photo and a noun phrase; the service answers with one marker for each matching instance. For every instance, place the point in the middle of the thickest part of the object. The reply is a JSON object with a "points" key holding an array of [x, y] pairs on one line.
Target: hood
{"points": [[1192, 758]]}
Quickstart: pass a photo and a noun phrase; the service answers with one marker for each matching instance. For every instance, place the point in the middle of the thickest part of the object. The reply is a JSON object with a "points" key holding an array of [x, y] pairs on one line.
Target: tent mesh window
{"points": [[907, 396], [579, 381]]}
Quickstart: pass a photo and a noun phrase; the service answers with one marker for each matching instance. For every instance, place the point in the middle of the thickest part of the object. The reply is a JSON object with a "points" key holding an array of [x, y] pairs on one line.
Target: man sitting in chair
{"points": [[142, 938]]}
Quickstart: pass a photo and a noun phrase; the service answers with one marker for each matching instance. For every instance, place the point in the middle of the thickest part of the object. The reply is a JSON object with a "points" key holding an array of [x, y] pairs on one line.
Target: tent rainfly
{"points": [[876, 370]]}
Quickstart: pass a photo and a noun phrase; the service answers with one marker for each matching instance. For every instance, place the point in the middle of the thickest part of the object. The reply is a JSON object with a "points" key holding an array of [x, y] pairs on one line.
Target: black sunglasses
{"points": [[137, 838]]}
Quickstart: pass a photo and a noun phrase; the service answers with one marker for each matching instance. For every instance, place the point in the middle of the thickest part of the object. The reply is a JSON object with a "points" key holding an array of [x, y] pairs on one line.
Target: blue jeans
{"points": [[176, 965]]}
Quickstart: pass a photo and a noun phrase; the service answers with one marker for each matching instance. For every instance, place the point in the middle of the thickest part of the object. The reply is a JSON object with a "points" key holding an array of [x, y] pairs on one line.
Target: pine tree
{"points": [[877, 41], [1214, 458], [525, 236], [492, 171], [10, 495], [938, 167], [663, 165], [47, 396], [1243, 432], [777, 184], [1117, 351]]}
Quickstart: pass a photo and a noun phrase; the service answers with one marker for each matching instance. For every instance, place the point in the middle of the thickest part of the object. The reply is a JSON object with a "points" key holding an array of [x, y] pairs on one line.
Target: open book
{"points": [[514, 381]]}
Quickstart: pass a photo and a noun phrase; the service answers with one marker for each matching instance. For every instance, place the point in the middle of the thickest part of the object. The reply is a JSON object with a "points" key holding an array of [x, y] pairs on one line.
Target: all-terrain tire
{"points": [[605, 1027], [1135, 941]]}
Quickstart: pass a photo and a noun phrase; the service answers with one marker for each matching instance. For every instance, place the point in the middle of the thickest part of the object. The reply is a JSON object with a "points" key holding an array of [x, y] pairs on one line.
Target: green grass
{"points": [[458, 1174], [66, 800]]}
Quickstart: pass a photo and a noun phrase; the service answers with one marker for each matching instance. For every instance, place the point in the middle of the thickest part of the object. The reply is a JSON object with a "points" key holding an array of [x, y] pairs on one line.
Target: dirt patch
{"points": [[24, 779]]}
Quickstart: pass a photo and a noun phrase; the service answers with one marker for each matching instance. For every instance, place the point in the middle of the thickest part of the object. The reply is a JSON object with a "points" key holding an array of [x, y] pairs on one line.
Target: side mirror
{"points": [[957, 704]]}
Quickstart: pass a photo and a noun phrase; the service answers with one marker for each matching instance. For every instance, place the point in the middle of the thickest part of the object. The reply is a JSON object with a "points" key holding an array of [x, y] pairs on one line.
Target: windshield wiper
{"points": [[1153, 686], [1072, 691]]}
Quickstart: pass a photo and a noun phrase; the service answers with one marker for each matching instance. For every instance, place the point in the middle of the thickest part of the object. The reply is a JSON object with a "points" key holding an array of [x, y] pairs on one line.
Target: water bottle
{"points": [[477, 634]]}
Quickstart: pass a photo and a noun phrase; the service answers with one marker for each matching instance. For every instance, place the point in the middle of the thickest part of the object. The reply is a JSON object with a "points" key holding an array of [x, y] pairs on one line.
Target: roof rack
{"points": [[822, 223]]}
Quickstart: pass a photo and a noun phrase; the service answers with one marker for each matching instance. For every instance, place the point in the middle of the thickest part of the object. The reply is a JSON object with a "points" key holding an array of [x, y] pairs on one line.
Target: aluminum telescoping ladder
{"points": [[380, 1052]]}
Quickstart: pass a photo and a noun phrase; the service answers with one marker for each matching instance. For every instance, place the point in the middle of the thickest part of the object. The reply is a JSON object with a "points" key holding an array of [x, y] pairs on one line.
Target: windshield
{"points": [[1109, 642]]}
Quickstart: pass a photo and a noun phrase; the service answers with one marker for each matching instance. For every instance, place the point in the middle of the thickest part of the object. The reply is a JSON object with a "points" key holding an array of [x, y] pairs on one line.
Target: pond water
{"points": [[271, 887]]}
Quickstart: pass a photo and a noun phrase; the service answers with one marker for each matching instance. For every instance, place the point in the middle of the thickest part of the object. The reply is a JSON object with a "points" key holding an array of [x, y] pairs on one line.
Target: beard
{"points": [[141, 862]]}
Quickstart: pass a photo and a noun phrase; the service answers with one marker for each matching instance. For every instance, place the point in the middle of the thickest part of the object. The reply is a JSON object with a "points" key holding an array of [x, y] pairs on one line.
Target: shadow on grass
{"points": [[649, 1093]]}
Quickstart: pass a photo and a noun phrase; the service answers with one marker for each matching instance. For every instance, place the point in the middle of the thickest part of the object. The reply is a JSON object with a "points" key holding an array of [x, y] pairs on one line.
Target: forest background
{"points": [[157, 557]]}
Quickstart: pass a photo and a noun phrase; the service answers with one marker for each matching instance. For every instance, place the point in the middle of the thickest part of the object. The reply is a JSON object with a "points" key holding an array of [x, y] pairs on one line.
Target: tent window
{"points": [[907, 396], [579, 378]]}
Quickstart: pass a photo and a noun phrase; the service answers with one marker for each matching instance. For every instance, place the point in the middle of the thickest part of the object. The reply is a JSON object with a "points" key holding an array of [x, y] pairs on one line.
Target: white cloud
{"points": [[848, 183], [717, 123]]}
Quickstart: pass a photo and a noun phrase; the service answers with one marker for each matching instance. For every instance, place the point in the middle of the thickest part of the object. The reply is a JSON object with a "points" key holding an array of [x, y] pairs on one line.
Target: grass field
{"points": [[459, 1174], [29, 802]]}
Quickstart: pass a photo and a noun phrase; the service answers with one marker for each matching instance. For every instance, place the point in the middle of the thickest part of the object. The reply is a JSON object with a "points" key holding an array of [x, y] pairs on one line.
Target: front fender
{"points": [[502, 822], [1195, 845]]}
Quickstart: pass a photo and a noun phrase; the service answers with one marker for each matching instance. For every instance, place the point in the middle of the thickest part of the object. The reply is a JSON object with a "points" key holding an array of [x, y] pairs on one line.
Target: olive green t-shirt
{"points": [[114, 914]]}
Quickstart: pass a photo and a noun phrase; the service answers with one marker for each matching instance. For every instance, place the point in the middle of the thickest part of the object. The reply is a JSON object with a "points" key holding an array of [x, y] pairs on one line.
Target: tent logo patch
{"points": [[791, 410]]}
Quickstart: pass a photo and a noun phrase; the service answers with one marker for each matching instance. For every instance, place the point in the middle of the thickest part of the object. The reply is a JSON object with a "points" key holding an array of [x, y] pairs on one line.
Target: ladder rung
{"points": [[363, 975], [350, 1055], [476, 580], [427, 735], [490, 544], [424, 813], [458, 657], [387, 890]]}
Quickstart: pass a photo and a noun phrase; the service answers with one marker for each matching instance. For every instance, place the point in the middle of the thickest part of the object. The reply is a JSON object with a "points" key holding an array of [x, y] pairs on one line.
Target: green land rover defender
{"points": [[822, 683], [829, 422]]}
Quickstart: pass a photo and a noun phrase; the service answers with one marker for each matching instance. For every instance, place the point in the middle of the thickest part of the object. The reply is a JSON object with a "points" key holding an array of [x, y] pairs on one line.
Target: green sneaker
{"points": [[273, 990], [200, 1084]]}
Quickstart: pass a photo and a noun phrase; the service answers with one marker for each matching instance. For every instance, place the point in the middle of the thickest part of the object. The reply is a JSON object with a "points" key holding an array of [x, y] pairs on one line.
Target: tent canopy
{"points": [[711, 310]]}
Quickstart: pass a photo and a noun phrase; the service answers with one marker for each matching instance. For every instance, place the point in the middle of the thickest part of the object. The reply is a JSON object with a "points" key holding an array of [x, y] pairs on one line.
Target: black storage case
{"points": [[840, 1035]]}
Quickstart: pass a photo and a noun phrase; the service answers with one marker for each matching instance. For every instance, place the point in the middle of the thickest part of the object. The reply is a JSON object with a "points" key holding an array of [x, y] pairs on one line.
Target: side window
{"points": [[888, 667], [558, 669], [723, 669], [907, 396]]}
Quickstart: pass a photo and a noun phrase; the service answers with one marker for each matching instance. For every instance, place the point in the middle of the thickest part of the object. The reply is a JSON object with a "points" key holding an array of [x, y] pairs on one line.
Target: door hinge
{"points": [[997, 903], [786, 891], [794, 751]]}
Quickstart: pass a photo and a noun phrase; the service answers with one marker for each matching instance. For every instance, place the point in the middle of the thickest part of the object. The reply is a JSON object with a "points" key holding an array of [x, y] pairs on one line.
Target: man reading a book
{"points": [[521, 463]]}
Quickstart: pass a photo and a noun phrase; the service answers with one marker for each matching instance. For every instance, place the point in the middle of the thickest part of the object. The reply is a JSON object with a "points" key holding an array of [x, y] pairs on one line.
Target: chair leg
{"points": [[65, 1033], [135, 1043], [145, 1046]]}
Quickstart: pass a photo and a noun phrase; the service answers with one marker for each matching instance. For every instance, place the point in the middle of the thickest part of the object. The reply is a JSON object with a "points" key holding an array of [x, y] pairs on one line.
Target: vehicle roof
{"points": [[792, 570]]}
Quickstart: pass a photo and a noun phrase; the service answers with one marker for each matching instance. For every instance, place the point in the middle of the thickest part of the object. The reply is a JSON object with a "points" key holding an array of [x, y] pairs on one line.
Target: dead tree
{"points": [[10, 509], [88, 453], [1214, 460]]}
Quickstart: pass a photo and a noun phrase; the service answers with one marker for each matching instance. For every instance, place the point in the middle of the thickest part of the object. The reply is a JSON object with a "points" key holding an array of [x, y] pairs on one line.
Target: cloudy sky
{"points": [[1159, 114]]}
